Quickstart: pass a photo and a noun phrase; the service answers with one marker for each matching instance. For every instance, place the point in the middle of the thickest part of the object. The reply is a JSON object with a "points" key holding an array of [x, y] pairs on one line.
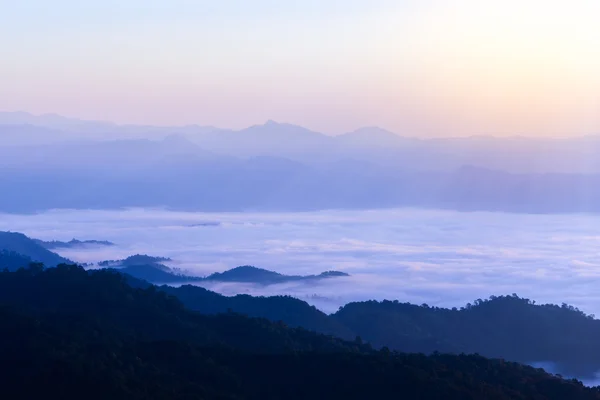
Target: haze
{"points": [[418, 68]]}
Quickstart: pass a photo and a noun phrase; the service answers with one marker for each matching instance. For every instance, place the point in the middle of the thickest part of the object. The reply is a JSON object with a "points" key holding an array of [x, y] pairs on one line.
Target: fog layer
{"points": [[442, 258]]}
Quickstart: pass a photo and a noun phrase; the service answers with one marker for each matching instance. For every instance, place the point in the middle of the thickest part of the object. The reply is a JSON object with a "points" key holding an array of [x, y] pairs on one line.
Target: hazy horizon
{"points": [[116, 124], [418, 68]]}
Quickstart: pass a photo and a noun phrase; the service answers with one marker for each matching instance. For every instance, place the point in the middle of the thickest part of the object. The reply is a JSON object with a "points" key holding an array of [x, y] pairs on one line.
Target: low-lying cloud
{"points": [[442, 258]]}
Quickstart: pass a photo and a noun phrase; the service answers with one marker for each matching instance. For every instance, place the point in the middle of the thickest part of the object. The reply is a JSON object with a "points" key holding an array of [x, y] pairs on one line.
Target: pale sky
{"points": [[416, 67]]}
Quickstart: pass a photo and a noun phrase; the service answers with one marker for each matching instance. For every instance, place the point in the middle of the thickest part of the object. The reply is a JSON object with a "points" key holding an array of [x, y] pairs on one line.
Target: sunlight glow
{"points": [[515, 65]]}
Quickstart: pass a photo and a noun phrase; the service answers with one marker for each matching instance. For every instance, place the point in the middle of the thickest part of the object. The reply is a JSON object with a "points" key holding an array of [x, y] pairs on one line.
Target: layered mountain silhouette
{"points": [[18, 243], [252, 274], [283, 167], [153, 270], [72, 334], [73, 244], [509, 327]]}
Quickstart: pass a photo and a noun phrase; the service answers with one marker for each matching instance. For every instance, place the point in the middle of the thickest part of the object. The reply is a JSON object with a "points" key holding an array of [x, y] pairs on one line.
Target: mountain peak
{"points": [[373, 131]]}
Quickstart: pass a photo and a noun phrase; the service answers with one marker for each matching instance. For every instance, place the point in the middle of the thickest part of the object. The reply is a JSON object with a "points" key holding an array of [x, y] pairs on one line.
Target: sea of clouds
{"points": [[442, 258]]}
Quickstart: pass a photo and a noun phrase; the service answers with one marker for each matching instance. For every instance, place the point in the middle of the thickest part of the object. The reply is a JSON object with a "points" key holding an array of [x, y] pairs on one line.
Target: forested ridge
{"points": [[78, 334], [510, 327]]}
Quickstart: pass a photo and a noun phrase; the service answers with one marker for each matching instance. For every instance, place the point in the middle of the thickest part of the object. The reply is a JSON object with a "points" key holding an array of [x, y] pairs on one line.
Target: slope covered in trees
{"points": [[153, 270], [292, 311], [21, 244], [78, 334], [507, 326], [250, 274], [13, 261]]}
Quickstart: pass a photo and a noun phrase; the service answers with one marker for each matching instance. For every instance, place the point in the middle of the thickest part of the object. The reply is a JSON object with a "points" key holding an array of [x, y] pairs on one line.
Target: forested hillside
{"points": [[76, 334]]}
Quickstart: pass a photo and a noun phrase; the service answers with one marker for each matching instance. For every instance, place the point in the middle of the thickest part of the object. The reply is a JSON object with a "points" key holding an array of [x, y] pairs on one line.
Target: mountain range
{"points": [[73, 244], [153, 270], [14, 243], [62, 163], [508, 327], [75, 334], [18, 250], [373, 144]]}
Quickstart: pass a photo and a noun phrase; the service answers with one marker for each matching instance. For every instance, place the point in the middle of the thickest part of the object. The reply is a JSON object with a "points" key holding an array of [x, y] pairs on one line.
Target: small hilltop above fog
{"points": [[153, 270], [17, 250], [73, 244]]}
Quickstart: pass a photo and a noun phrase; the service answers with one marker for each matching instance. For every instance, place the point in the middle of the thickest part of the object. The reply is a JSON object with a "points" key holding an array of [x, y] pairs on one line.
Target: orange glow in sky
{"points": [[416, 67]]}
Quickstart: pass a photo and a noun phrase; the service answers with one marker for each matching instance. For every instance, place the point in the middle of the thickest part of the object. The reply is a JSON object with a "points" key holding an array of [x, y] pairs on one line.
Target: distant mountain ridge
{"points": [[18, 248], [73, 243], [20, 244], [282, 167], [250, 274], [152, 270], [136, 259], [506, 326]]}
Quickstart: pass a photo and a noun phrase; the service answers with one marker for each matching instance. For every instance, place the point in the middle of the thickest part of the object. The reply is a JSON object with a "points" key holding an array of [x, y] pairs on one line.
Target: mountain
{"points": [[507, 327], [558, 334], [270, 139], [152, 270], [137, 259], [24, 134], [73, 243], [52, 121], [284, 167], [182, 176], [292, 311], [148, 268], [65, 128], [156, 273], [578, 155], [12, 261], [146, 313], [510, 327], [372, 137], [113, 341], [262, 276], [29, 248]]}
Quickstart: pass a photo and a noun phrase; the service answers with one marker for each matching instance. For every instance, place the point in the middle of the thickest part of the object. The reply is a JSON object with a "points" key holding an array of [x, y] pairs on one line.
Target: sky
{"points": [[416, 67]]}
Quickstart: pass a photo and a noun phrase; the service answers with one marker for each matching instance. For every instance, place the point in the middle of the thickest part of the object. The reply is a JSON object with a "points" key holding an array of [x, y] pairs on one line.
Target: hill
{"points": [[12, 261], [510, 327], [136, 259], [262, 276], [152, 270], [148, 268], [73, 243], [282, 167], [78, 334], [507, 327], [292, 311], [157, 274], [21, 244]]}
